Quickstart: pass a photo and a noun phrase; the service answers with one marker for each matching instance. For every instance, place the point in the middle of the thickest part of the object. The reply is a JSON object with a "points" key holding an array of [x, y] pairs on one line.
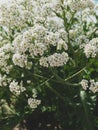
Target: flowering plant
{"points": [[48, 55]]}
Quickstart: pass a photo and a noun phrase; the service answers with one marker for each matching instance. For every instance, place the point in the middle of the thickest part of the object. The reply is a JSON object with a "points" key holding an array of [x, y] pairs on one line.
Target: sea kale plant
{"points": [[49, 61]]}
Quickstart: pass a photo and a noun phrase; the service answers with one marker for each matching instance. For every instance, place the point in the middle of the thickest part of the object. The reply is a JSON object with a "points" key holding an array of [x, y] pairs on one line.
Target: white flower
{"points": [[3, 80], [39, 49], [54, 23], [43, 62], [90, 4], [58, 59], [7, 48], [28, 81], [5, 54], [84, 84], [91, 85], [73, 33], [39, 31], [15, 15], [16, 88], [62, 45], [33, 103], [81, 4], [52, 38], [63, 34], [56, 5], [91, 49], [19, 60]]}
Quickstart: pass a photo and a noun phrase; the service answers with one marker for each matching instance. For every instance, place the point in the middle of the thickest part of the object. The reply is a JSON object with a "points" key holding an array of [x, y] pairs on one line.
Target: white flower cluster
{"points": [[16, 88], [25, 46], [82, 40], [81, 4], [54, 60], [88, 15], [91, 85], [58, 38], [33, 102], [73, 33], [16, 14], [19, 60], [5, 55], [91, 49], [36, 42], [75, 5], [4, 81], [84, 84]]}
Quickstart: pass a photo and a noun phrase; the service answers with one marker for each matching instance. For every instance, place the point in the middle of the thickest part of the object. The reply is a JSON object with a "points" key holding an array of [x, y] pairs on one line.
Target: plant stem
{"points": [[75, 74], [89, 125], [54, 91], [46, 81]]}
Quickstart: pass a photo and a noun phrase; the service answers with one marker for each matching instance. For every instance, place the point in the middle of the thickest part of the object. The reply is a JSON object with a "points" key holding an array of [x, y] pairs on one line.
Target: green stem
{"points": [[46, 81], [72, 84], [54, 91], [75, 74], [62, 81], [40, 76], [66, 25], [89, 125], [53, 71]]}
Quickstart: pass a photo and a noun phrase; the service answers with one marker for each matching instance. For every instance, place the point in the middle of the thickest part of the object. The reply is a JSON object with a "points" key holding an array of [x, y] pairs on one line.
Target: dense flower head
{"points": [[16, 88], [54, 60], [92, 85], [91, 49], [81, 4], [84, 84], [33, 103]]}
